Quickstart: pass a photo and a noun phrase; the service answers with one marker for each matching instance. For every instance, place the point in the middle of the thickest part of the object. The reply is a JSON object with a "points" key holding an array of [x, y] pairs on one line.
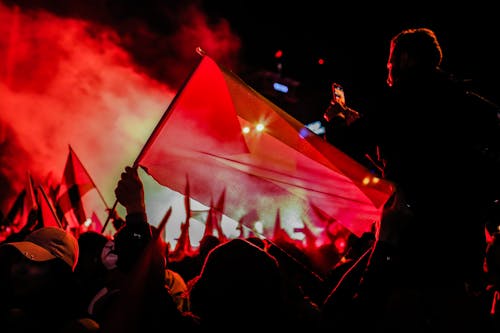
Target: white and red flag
{"points": [[228, 138]]}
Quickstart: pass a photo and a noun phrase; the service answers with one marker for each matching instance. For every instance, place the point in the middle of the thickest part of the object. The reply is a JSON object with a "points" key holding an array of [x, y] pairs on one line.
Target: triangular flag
{"points": [[47, 211], [76, 181], [211, 221], [96, 223], [218, 212], [183, 246], [29, 213], [280, 234], [15, 211], [225, 135]]}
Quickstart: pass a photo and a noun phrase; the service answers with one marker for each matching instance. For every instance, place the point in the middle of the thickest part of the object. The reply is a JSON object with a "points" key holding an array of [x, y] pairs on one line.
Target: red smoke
{"points": [[101, 89]]}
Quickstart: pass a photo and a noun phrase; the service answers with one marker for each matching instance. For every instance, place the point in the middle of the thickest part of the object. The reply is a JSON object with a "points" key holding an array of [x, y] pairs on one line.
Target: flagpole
{"points": [[158, 126]]}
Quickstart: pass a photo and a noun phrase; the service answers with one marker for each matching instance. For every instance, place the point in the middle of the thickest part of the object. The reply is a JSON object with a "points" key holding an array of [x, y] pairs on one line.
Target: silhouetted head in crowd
{"points": [[240, 284], [413, 52], [37, 281], [207, 243]]}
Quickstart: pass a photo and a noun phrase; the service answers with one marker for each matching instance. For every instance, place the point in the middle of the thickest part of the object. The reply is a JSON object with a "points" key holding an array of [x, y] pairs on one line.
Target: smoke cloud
{"points": [[95, 79]]}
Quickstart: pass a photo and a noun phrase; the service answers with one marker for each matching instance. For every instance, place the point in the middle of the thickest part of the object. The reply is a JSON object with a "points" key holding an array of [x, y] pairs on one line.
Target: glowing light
{"points": [[340, 244], [280, 87], [87, 222], [246, 129], [259, 127], [367, 180], [316, 127], [278, 54], [321, 61]]}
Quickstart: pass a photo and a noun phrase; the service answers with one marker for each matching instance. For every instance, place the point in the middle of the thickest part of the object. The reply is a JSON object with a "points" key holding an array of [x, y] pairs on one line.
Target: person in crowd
{"points": [[189, 266], [91, 273], [176, 285], [436, 141], [38, 285], [240, 285], [141, 301]]}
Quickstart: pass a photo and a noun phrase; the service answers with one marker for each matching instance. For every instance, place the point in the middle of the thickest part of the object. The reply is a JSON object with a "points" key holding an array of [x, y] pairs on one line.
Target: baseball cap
{"points": [[48, 243]]}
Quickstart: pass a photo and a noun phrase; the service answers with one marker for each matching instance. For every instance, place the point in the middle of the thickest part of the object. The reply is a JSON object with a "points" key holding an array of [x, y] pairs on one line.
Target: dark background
{"points": [[353, 38]]}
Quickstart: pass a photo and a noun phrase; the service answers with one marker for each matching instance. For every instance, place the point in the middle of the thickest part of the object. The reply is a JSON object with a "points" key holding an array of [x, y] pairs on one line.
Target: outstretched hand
{"points": [[130, 191]]}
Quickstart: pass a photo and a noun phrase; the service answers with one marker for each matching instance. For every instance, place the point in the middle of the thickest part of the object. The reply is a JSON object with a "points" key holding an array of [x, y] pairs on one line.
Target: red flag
{"points": [[225, 135], [279, 234], [210, 222], [47, 210], [75, 182], [96, 223], [26, 216], [15, 210], [183, 246], [218, 212]]}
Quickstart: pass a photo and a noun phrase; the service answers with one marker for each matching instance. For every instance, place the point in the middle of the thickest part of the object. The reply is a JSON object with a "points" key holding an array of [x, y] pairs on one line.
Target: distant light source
{"points": [[278, 54], [316, 127], [259, 127], [280, 87], [246, 129], [87, 222], [321, 61]]}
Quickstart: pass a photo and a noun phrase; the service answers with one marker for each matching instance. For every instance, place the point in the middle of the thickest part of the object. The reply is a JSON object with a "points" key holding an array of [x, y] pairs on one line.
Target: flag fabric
{"points": [[279, 234], [227, 137], [210, 221], [75, 182], [183, 246], [15, 211], [214, 219], [27, 216], [96, 224], [217, 214], [47, 212]]}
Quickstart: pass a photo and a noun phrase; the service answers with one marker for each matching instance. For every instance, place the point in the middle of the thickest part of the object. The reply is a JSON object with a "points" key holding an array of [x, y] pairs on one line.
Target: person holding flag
{"points": [[433, 138]]}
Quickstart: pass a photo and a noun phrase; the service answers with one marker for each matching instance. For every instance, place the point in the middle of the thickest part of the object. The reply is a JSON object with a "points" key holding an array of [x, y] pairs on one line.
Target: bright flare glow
{"points": [[246, 129], [259, 127], [87, 222]]}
